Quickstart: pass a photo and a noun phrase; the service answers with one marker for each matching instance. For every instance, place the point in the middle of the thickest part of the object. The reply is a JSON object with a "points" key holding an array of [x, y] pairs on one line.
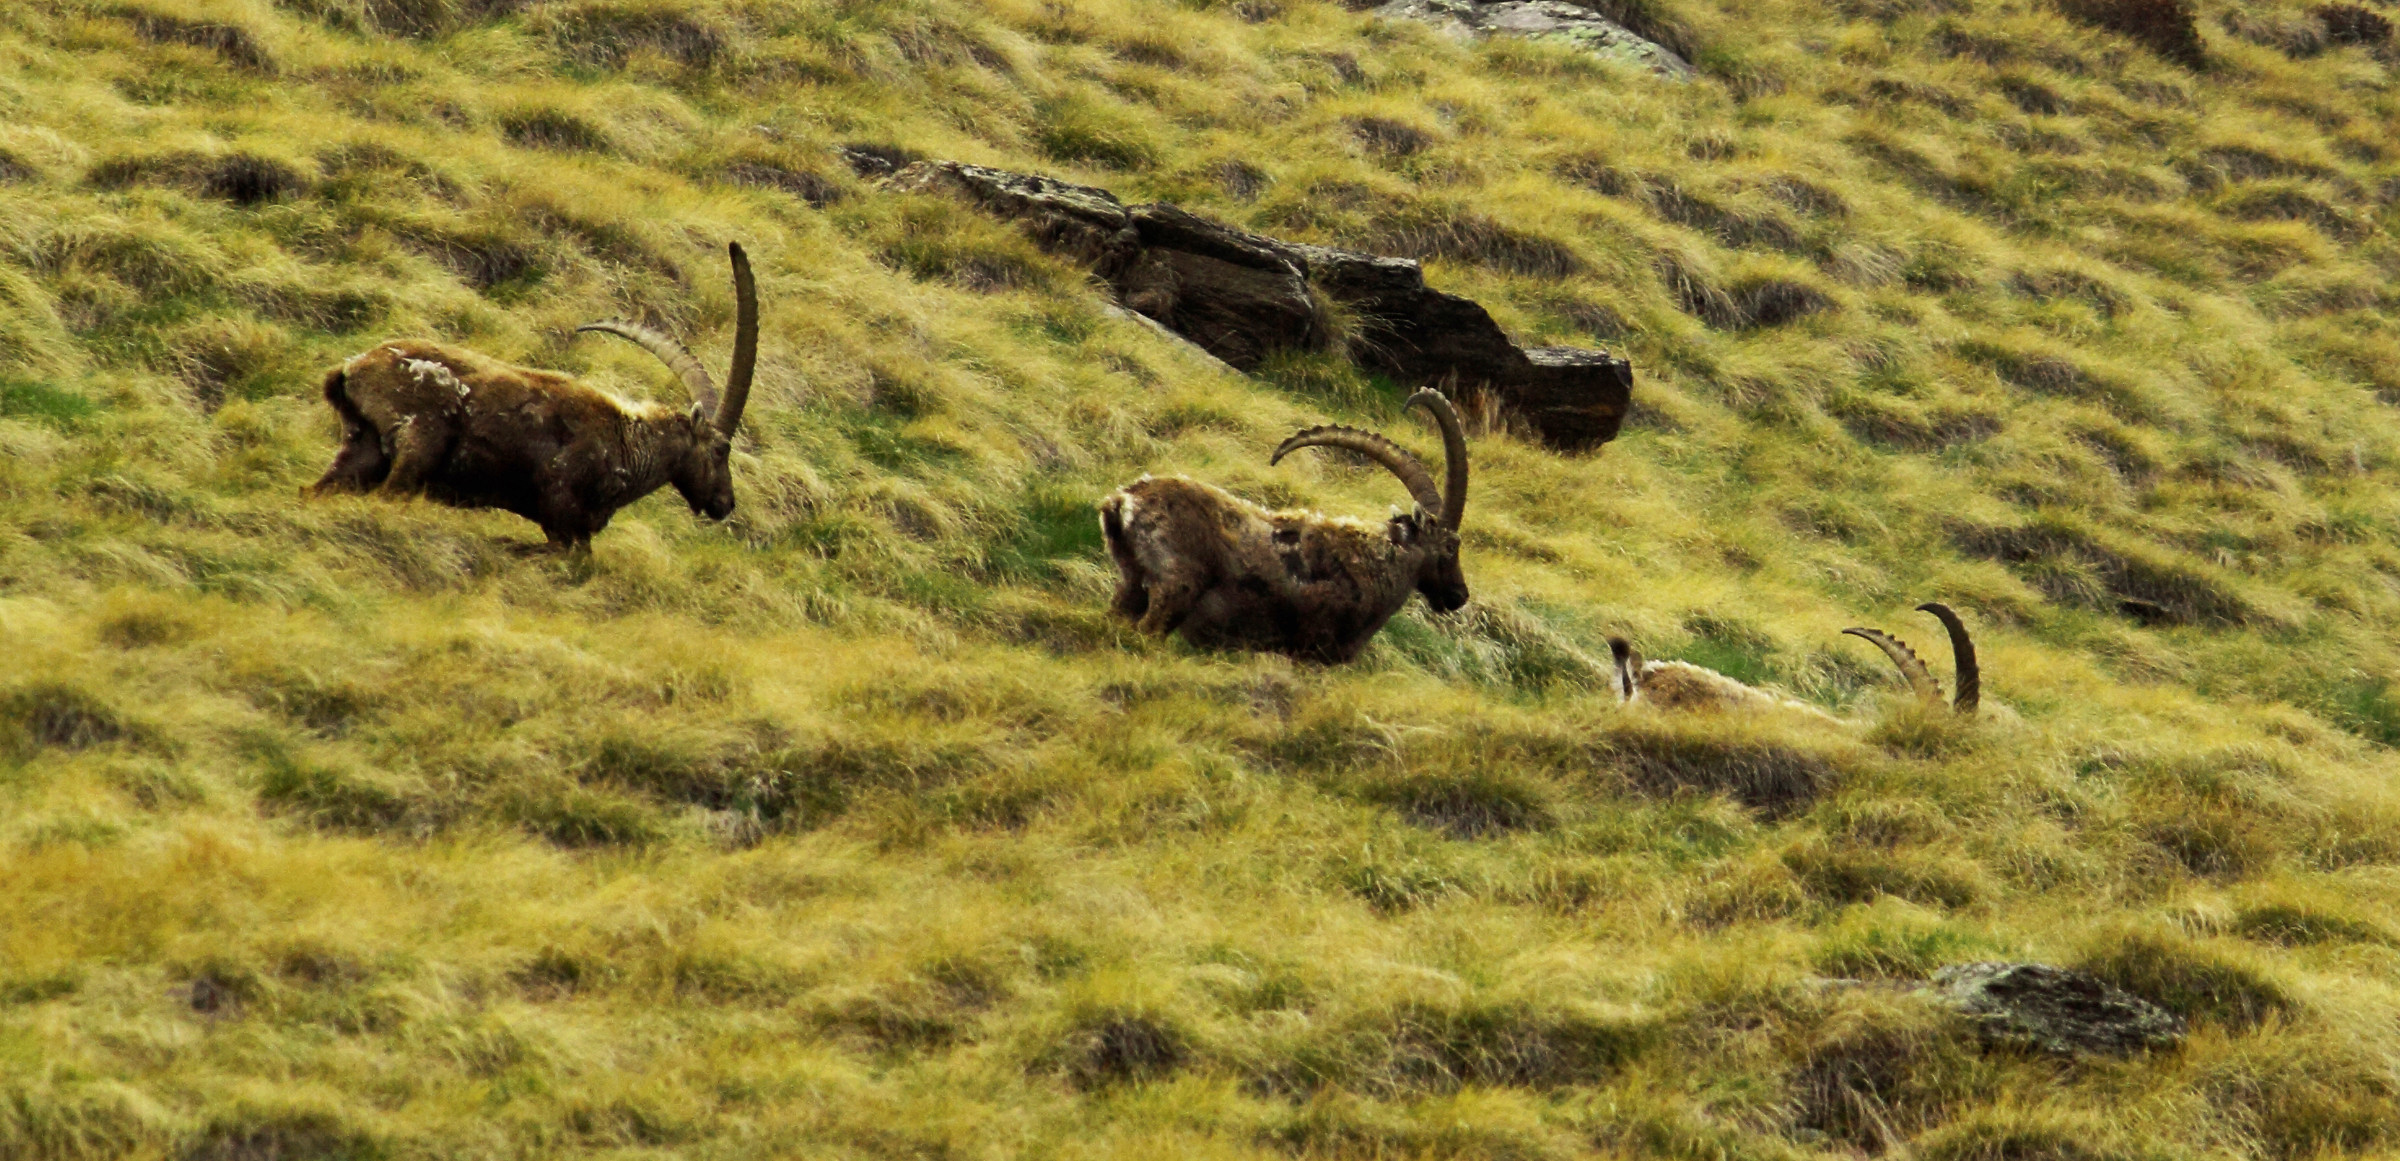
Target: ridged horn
{"points": [[1962, 657], [1627, 661], [1411, 471], [1911, 666], [1454, 453], [745, 342], [675, 355]]}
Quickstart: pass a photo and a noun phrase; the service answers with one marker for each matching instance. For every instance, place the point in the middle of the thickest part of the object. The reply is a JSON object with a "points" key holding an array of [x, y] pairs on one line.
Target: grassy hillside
{"points": [[852, 827]]}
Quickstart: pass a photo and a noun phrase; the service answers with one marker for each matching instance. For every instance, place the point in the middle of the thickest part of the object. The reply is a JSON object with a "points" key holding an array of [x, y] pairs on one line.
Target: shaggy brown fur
{"points": [[1229, 574], [469, 431]]}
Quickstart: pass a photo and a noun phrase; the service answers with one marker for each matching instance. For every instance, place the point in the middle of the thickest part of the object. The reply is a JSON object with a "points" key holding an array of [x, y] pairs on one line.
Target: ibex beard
{"points": [[466, 430]]}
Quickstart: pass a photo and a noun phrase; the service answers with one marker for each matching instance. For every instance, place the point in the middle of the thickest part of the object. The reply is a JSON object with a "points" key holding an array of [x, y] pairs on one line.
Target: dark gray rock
{"points": [[2053, 1009], [1242, 296], [1575, 398], [1216, 286], [1551, 20], [869, 160], [1076, 221]]}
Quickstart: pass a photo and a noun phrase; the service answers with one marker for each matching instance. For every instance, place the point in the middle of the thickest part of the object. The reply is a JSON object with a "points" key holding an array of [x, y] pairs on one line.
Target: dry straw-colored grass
{"points": [[854, 828]]}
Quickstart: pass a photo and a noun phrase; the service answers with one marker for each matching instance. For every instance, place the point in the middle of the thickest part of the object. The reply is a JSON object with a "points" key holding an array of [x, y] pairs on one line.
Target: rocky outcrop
{"points": [[1238, 296], [1552, 20], [2055, 1010], [1242, 296]]}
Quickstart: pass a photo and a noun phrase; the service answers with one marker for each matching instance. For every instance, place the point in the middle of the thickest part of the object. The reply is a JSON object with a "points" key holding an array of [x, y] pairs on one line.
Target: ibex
{"points": [[1682, 685], [1230, 574], [473, 432]]}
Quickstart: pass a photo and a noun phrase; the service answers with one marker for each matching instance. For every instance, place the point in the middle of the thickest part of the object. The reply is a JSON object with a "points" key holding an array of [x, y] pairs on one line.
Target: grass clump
{"points": [[61, 715], [2193, 979], [1878, 1072]]}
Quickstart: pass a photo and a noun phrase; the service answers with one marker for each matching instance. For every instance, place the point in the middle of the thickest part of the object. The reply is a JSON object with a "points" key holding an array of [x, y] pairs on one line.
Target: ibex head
{"points": [[1427, 536], [702, 469]]}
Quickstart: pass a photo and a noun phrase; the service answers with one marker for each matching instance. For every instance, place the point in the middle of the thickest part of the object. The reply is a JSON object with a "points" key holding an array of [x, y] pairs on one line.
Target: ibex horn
{"points": [[1911, 666], [1454, 453], [675, 355], [1412, 473], [745, 342], [1962, 657]]}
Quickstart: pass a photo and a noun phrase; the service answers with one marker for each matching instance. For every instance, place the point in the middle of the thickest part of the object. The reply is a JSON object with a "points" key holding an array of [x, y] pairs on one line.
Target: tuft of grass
{"points": [[2193, 979], [1890, 940], [1878, 1072], [49, 713]]}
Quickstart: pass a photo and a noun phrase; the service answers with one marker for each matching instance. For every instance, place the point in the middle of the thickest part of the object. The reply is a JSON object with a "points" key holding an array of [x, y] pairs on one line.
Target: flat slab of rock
{"points": [[1567, 24], [2053, 1009], [1241, 297]]}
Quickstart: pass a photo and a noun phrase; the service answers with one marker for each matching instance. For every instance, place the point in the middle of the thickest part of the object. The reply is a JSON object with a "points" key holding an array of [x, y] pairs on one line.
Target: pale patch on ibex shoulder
{"points": [[427, 370]]}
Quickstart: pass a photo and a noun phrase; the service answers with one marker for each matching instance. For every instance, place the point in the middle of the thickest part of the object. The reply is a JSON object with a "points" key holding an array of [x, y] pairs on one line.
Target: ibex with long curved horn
{"points": [[1230, 574], [1683, 685], [1912, 667], [473, 432]]}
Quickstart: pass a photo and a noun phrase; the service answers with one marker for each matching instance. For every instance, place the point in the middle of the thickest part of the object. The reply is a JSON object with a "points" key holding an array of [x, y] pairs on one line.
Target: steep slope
{"points": [[853, 826]]}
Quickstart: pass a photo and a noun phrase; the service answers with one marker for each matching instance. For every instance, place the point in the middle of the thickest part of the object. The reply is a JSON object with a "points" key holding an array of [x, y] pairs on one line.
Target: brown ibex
{"points": [[1683, 685], [1230, 574], [472, 432]]}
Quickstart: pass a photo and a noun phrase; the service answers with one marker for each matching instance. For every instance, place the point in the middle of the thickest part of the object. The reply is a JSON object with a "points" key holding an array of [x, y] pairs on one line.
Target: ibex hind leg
{"points": [[418, 446], [1172, 595], [1133, 595], [360, 464]]}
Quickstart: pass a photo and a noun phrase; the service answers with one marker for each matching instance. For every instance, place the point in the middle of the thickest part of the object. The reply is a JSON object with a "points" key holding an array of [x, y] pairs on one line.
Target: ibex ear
{"points": [[698, 415]]}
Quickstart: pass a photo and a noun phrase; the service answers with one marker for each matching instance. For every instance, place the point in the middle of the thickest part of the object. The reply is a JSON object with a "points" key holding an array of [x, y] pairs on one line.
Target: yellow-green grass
{"points": [[854, 826]]}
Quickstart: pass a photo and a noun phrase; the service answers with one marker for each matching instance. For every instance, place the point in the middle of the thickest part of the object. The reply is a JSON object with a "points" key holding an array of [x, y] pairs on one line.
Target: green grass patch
{"points": [[45, 402]]}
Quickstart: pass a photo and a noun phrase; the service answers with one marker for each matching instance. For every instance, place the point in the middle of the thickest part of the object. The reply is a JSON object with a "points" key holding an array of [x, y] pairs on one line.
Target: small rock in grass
{"points": [[2055, 1010]]}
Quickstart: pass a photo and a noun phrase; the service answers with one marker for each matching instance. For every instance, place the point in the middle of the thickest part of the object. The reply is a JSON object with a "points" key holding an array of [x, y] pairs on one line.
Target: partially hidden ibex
{"points": [[470, 431], [1683, 685], [1230, 574]]}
